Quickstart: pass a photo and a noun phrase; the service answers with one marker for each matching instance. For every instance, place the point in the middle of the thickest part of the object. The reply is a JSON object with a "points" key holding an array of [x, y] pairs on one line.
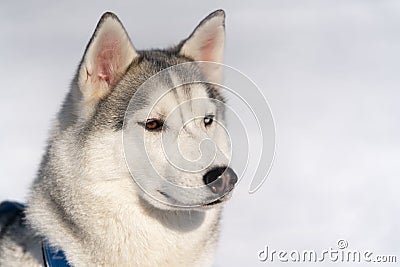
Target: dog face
{"points": [[168, 107], [175, 140]]}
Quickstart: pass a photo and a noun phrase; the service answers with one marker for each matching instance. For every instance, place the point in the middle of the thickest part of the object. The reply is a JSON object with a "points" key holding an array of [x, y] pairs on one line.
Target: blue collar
{"points": [[53, 257]]}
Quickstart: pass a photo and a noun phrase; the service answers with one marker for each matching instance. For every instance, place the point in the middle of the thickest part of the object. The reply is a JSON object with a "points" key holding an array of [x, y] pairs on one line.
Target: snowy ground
{"points": [[330, 71]]}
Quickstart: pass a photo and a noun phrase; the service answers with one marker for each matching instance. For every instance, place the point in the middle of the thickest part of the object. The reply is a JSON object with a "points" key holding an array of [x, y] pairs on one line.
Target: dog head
{"points": [[167, 107]]}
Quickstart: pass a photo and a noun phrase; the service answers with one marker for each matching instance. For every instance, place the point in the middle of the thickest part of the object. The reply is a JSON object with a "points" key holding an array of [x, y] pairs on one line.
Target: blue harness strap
{"points": [[51, 257], [10, 206], [9, 212]]}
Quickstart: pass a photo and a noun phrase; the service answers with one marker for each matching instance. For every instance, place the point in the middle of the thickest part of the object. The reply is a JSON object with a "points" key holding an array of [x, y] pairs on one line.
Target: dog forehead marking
{"points": [[176, 96]]}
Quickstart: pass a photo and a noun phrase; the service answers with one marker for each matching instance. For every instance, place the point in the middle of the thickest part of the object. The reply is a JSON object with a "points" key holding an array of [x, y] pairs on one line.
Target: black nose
{"points": [[220, 180]]}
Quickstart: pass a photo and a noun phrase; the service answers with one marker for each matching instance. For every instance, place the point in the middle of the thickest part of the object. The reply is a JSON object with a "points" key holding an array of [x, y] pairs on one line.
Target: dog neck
{"points": [[108, 224]]}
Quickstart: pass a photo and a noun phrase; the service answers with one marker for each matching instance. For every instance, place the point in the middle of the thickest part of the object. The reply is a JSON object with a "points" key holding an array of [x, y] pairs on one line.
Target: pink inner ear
{"points": [[207, 48], [108, 58]]}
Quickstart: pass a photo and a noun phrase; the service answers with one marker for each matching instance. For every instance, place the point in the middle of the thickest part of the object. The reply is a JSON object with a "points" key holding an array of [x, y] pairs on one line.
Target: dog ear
{"points": [[107, 57], [206, 43]]}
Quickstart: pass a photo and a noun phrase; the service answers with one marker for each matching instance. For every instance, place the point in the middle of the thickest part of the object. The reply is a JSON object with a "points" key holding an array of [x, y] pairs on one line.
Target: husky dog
{"points": [[86, 202]]}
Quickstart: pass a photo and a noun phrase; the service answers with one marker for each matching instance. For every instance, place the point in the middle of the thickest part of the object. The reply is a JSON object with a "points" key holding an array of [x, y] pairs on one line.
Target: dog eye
{"points": [[153, 125], [208, 120]]}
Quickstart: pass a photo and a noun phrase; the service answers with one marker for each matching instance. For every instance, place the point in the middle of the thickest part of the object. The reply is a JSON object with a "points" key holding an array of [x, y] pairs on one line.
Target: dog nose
{"points": [[220, 180]]}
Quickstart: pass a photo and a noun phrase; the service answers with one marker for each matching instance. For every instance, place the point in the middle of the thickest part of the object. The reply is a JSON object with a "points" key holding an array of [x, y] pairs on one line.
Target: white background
{"points": [[329, 69]]}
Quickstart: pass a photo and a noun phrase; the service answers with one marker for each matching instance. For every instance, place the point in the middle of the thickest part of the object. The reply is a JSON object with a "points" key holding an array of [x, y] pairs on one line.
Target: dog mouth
{"points": [[209, 205], [213, 204], [216, 202]]}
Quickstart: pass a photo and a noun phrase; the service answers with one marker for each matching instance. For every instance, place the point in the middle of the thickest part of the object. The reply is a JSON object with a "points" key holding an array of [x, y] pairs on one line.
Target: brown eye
{"points": [[153, 125]]}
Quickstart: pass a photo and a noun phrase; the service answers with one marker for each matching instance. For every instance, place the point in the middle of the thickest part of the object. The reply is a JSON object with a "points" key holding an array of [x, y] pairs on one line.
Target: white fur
{"points": [[121, 232]]}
